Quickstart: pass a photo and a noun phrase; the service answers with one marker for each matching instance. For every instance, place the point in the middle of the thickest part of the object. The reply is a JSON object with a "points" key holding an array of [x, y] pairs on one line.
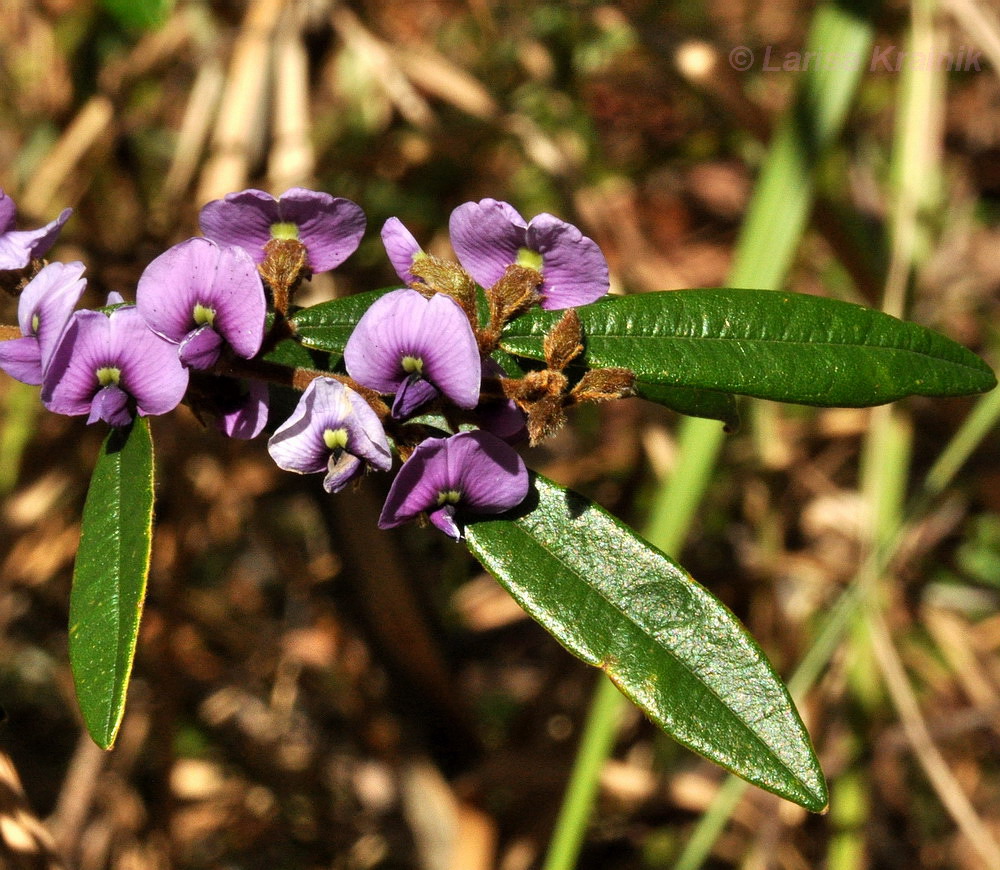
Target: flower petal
{"points": [[150, 370], [487, 236], [401, 248], [412, 394], [201, 348], [330, 227], [21, 358], [47, 303], [444, 519], [71, 379], [489, 474], [20, 247], [573, 266], [246, 418], [8, 212], [241, 219], [417, 484], [110, 405]]}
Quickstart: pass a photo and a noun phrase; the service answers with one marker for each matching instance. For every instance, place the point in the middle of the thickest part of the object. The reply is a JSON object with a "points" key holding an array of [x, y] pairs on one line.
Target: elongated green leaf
{"points": [[709, 404], [784, 346], [618, 603], [327, 326], [109, 578]]}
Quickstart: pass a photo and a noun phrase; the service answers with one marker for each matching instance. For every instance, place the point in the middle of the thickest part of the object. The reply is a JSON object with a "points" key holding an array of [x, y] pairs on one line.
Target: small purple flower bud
{"points": [[112, 366], [469, 473], [402, 249], [334, 430], [330, 228], [200, 296], [20, 247], [417, 348], [43, 311], [489, 235], [501, 417]]}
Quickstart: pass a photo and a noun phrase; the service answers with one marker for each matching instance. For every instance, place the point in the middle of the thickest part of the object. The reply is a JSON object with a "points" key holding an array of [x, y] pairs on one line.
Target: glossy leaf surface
{"points": [[109, 578], [782, 346], [619, 604], [327, 326]]}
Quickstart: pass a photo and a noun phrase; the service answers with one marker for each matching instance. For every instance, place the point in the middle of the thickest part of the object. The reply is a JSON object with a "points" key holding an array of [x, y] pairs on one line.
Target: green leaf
{"points": [[140, 14], [618, 603], [109, 578], [327, 326], [783, 346], [709, 404]]}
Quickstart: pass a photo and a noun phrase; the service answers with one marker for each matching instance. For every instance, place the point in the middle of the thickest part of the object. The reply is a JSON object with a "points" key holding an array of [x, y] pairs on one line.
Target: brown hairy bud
{"points": [[284, 266], [445, 276], [545, 418], [564, 341], [513, 294], [602, 385]]}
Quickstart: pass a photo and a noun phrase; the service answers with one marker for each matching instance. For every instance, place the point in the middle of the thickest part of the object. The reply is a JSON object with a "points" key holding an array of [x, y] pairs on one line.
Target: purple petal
{"points": [[487, 236], [110, 405], [299, 445], [8, 212], [401, 248], [341, 470], [488, 473], [412, 394], [48, 300], [501, 417], [406, 324], [247, 418], [444, 519], [241, 219], [20, 247], [151, 371], [201, 348], [330, 227], [573, 266], [417, 484], [485, 474], [198, 279], [21, 358]]}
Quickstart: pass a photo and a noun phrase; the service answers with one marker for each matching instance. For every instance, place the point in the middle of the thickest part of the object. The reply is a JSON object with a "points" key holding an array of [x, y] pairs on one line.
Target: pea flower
{"points": [[112, 366], [417, 348], [401, 247], [20, 247], [489, 235], [43, 311], [329, 227], [241, 407], [468, 473], [332, 429], [200, 296]]}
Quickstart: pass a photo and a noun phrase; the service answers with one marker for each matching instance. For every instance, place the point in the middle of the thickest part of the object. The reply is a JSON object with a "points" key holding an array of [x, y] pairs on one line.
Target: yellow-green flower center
{"points": [[203, 314], [413, 364], [335, 439], [449, 496], [34, 323], [107, 375], [529, 259], [285, 230]]}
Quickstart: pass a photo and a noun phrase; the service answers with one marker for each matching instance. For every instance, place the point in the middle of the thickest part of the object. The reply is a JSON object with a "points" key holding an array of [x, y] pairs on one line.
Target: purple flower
{"points": [[488, 236], [243, 414], [334, 430], [20, 247], [329, 227], [112, 366], [199, 295], [472, 472], [401, 248], [501, 417], [43, 311], [417, 348]]}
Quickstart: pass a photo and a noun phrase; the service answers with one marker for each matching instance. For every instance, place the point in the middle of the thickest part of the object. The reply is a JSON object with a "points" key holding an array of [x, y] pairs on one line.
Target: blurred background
{"points": [[310, 692]]}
